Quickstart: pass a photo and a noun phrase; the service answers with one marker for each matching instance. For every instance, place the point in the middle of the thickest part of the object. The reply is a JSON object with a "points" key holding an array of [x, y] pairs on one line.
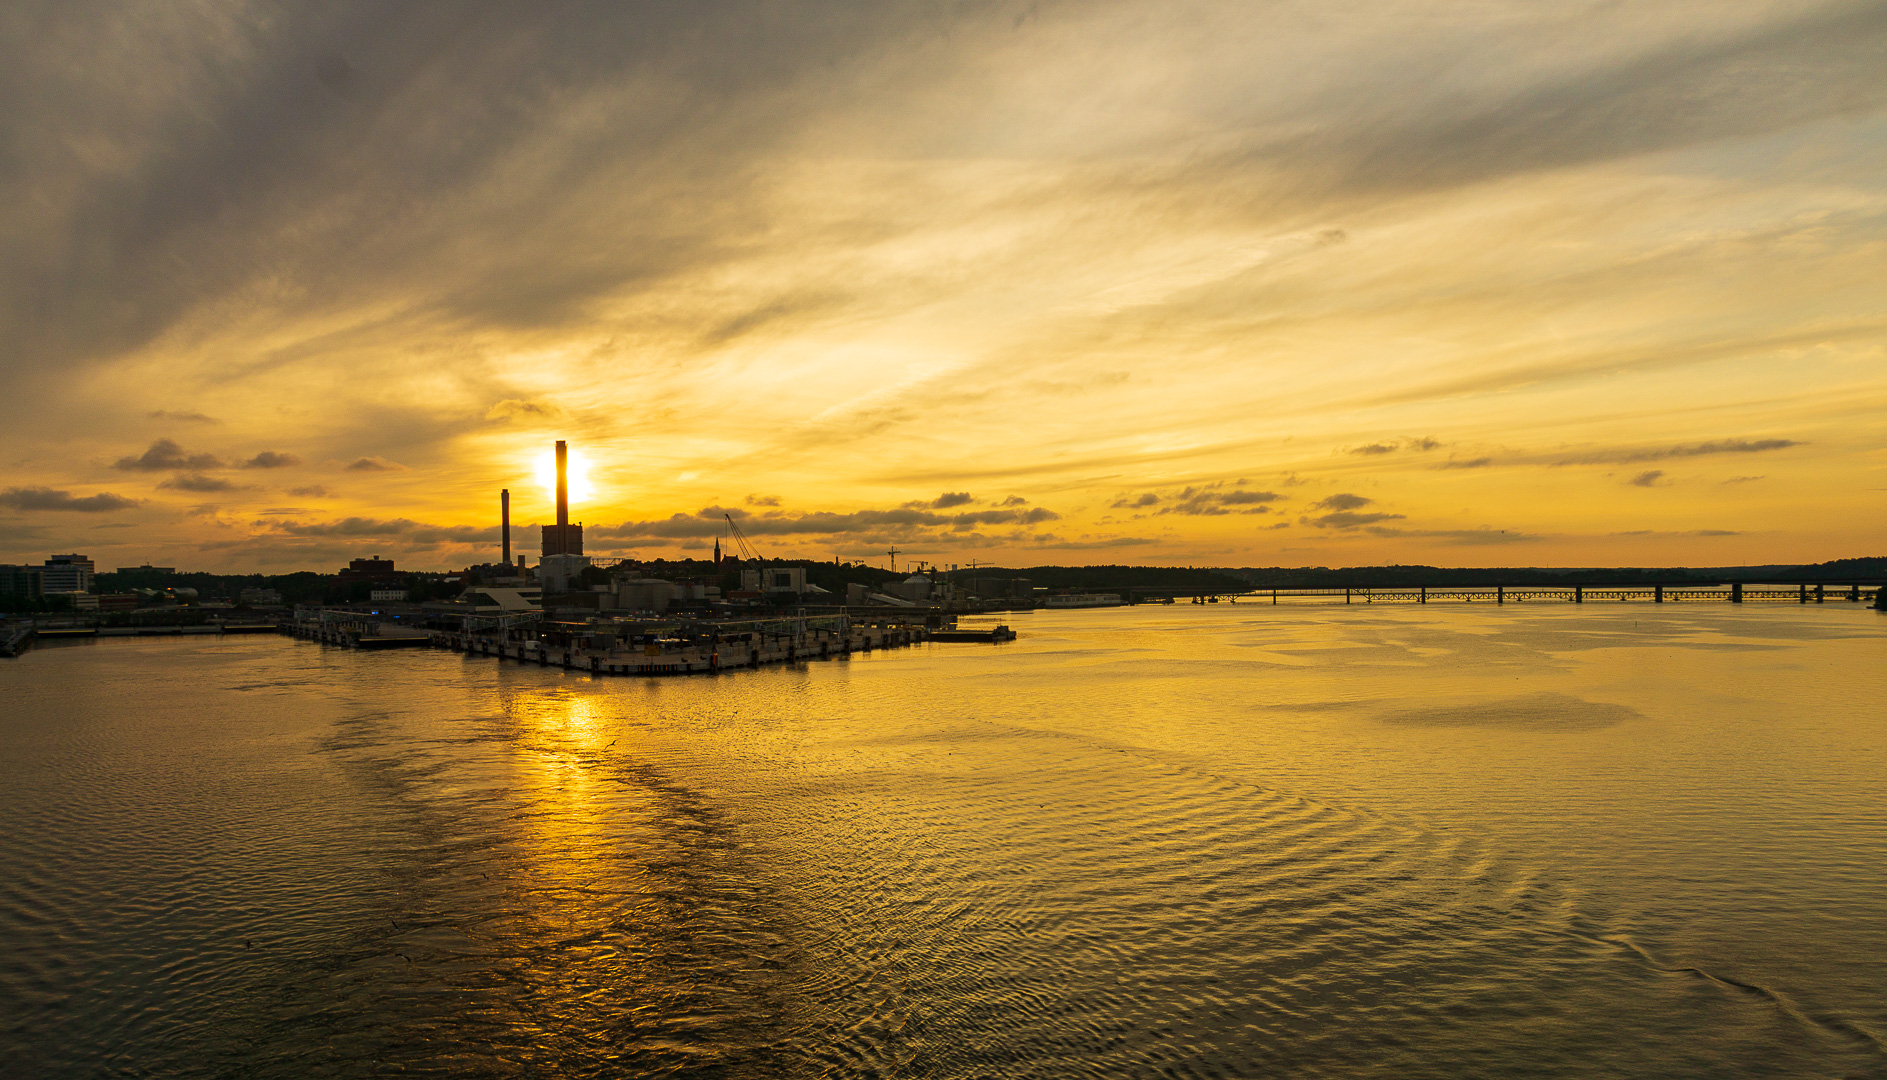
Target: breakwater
{"points": [[701, 651]]}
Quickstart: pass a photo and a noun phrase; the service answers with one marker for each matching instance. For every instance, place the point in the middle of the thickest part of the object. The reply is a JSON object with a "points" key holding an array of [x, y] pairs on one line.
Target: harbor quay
{"points": [[638, 648]]}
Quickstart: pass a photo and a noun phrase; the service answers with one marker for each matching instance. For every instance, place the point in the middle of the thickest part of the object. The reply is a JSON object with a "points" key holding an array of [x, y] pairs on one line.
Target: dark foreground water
{"points": [[1192, 841]]}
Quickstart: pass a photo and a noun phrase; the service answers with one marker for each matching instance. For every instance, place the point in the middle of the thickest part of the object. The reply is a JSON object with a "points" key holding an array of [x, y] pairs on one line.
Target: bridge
{"points": [[1851, 590]]}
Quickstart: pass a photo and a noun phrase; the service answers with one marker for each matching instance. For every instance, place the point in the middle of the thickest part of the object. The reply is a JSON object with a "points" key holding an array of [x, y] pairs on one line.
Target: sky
{"points": [[1484, 283]]}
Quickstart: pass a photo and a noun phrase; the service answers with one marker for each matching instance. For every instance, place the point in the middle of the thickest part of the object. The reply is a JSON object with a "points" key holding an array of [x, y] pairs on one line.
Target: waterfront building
{"points": [[645, 594], [371, 568], [785, 580], [22, 582], [67, 574]]}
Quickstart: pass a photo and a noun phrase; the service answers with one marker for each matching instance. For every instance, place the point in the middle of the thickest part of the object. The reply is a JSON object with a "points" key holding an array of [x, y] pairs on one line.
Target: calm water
{"points": [[1451, 841]]}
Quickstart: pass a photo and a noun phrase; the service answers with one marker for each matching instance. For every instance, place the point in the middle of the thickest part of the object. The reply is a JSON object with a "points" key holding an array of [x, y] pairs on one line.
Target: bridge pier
{"points": [[1736, 592], [1657, 594], [1500, 594], [1423, 599], [1579, 594]]}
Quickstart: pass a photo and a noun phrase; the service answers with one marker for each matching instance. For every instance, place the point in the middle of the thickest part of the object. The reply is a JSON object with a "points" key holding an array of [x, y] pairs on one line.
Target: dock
{"points": [[679, 649], [17, 639]]}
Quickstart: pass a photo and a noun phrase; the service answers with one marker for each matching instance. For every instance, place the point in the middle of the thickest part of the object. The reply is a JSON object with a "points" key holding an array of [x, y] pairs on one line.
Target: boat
{"points": [[990, 635]]}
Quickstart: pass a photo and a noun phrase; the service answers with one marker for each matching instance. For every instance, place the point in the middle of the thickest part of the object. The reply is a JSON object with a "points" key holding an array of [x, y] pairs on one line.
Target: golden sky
{"points": [[1238, 284]]}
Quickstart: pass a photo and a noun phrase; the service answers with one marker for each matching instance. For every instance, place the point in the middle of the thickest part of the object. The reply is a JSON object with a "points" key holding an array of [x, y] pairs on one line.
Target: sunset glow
{"points": [[577, 473]]}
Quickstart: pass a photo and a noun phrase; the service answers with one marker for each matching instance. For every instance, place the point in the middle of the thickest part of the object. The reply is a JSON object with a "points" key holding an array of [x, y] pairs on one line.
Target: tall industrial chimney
{"points": [[563, 484], [504, 520], [563, 538]]}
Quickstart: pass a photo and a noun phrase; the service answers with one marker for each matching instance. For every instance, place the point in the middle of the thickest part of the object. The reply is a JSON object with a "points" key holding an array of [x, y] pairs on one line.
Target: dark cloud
{"points": [[1745, 479], [1202, 501], [1627, 456], [949, 499], [197, 482], [1408, 445], [45, 498], [1014, 500], [1345, 519], [312, 491], [1649, 478], [269, 459], [416, 532], [1344, 501], [1058, 544], [762, 500], [182, 417], [905, 520], [1465, 537], [1467, 463], [375, 464], [164, 455], [1815, 63]]}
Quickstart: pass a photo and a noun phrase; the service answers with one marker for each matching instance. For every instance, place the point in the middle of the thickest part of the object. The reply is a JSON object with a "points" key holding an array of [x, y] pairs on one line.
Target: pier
{"points": [[685, 648]]}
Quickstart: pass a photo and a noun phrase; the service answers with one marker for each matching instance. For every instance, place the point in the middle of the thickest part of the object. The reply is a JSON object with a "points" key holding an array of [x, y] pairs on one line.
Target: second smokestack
{"points": [[504, 521]]}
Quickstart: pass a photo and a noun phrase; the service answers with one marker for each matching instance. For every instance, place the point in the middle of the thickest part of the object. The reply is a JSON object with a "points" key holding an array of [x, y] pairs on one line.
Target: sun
{"points": [[579, 481]]}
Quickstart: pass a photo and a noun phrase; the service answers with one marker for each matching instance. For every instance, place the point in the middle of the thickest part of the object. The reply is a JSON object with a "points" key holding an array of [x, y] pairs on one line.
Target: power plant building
{"points": [[563, 538], [563, 559]]}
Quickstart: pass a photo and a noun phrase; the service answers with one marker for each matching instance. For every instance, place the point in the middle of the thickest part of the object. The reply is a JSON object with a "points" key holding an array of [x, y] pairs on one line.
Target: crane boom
{"points": [[740, 540]]}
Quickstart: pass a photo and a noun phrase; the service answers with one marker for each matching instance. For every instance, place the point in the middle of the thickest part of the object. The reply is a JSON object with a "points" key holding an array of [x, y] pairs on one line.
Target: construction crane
{"points": [[747, 552]]}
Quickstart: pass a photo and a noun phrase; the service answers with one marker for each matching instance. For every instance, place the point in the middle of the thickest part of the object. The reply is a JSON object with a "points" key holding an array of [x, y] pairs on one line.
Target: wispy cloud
{"points": [[522, 409], [374, 464], [1632, 456], [45, 498]]}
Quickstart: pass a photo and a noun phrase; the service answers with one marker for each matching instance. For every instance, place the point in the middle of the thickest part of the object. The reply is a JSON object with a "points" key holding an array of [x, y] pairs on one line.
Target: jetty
{"points": [[16, 639], [686, 647]]}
